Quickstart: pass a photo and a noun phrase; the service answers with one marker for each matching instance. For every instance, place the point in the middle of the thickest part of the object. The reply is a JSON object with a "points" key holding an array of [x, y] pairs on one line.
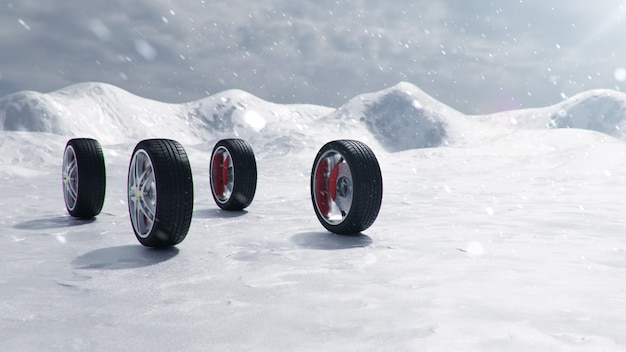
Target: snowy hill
{"points": [[402, 117], [399, 118], [600, 110], [91, 110], [113, 115]]}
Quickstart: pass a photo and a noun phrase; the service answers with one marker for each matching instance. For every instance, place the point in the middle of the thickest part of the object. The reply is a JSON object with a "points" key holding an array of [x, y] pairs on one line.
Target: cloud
{"points": [[477, 57]]}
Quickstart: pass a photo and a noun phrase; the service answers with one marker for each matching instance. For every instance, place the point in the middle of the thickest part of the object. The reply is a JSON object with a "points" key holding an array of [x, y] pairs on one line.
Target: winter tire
{"points": [[160, 192], [346, 186], [233, 174], [84, 177]]}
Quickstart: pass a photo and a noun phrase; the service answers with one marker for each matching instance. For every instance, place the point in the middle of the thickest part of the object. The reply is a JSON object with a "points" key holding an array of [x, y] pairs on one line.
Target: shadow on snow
{"points": [[53, 223], [330, 241], [123, 257], [218, 213]]}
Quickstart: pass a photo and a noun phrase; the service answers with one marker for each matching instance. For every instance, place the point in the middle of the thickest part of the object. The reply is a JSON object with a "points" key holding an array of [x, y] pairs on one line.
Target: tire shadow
{"points": [[330, 241], [123, 257], [218, 213], [53, 223]]}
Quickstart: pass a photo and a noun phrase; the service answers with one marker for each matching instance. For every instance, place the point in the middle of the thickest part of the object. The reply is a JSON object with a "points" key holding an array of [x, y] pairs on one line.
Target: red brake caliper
{"points": [[218, 174], [333, 180], [321, 187], [225, 173]]}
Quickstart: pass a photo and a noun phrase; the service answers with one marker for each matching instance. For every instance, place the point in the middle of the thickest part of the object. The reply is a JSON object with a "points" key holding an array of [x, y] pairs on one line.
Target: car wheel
{"points": [[233, 174], [84, 177], [346, 186], [160, 192]]}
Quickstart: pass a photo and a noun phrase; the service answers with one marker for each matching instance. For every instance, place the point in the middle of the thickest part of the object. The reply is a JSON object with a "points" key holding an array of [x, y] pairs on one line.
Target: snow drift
{"points": [[112, 115], [600, 110], [399, 118]]}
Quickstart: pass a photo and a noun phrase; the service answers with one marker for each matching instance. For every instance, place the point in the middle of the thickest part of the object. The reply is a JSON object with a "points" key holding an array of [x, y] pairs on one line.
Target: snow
{"points": [[498, 232]]}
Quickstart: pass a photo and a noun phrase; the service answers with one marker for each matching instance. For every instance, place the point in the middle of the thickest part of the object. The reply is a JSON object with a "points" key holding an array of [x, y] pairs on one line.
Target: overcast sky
{"points": [[477, 56]]}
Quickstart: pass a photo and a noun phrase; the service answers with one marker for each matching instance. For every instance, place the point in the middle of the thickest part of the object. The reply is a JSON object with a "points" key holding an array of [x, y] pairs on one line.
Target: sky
{"points": [[478, 57]]}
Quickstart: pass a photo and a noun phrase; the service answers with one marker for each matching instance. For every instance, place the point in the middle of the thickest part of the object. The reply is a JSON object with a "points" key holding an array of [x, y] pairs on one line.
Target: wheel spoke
{"points": [[72, 167], [147, 209], [139, 219], [72, 190], [70, 197], [146, 177]]}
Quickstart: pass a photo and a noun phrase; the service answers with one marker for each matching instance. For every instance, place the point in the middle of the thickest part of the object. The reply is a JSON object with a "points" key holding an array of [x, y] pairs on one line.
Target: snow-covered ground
{"points": [[497, 233]]}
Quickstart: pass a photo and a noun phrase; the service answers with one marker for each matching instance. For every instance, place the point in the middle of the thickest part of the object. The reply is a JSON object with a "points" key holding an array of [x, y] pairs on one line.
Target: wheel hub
{"points": [[343, 187]]}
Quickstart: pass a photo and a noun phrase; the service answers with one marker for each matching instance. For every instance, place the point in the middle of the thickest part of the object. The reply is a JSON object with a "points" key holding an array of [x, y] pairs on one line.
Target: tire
{"points": [[233, 174], [346, 186], [160, 192], [84, 177]]}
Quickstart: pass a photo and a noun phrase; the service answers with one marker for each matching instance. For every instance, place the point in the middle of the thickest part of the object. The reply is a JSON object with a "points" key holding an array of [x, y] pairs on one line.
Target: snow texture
{"points": [[497, 233]]}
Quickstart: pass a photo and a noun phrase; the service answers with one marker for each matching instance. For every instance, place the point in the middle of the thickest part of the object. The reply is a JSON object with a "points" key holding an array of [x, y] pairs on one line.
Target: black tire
{"points": [[346, 186], [160, 192], [233, 174], [84, 177]]}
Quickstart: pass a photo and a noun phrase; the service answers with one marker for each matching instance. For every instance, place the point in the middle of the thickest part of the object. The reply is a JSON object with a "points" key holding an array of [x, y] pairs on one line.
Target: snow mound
{"points": [[401, 117], [273, 128], [29, 154], [600, 110], [597, 110], [113, 115], [95, 110]]}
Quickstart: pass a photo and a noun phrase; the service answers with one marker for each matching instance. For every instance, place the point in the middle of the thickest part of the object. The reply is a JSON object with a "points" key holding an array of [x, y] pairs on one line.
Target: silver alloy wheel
{"points": [[142, 195], [333, 187], [222, 172], [70, 178]]}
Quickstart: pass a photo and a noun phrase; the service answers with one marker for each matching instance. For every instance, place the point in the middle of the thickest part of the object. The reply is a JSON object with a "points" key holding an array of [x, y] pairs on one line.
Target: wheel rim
{"points": [[142, 195], [333, 187], [222, 174], [70, 178]]}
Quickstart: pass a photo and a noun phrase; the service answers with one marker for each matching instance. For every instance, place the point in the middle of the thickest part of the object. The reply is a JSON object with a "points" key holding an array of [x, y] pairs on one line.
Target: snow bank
{"points": [[112, 115], [29, 154], [96, 110], [401, 117], [270, 128], [597, 110], [600, 110]]}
